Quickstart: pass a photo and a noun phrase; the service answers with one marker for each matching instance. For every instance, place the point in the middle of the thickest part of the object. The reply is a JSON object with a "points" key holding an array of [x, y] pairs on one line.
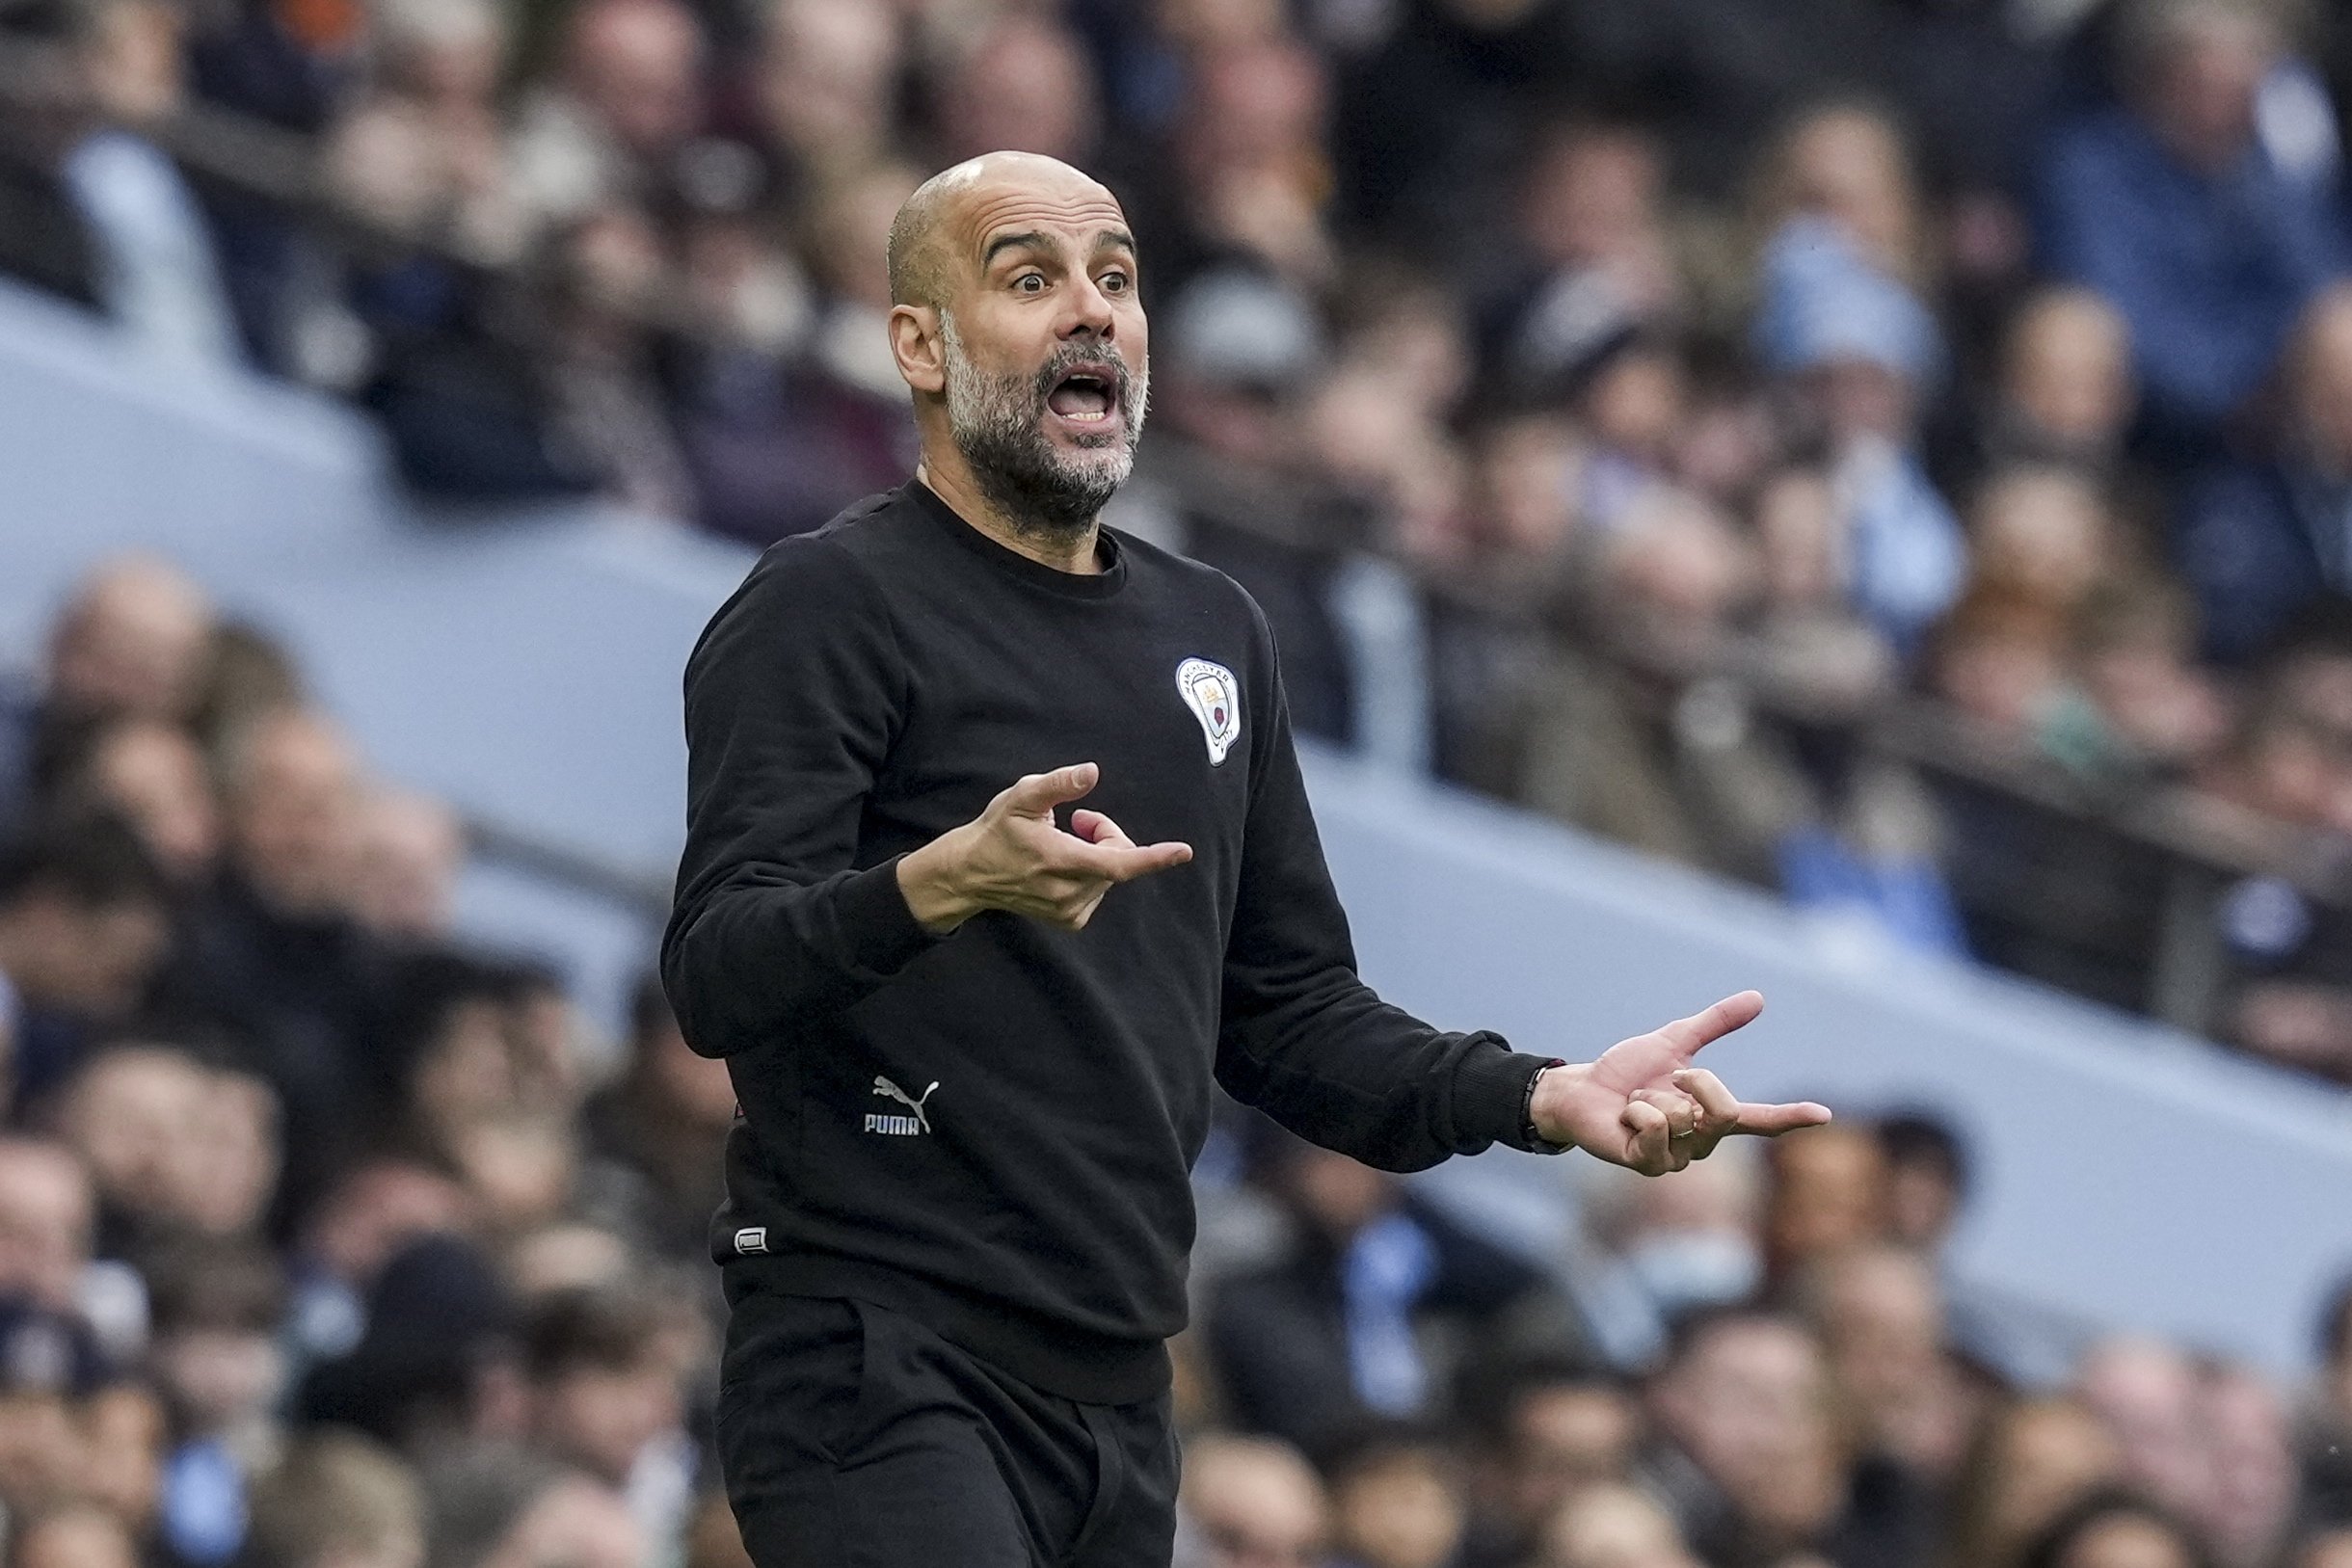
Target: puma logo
{"points": [[902, 1125]]}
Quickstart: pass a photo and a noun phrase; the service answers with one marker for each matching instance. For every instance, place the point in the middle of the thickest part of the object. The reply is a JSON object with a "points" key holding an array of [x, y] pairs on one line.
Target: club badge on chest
{"points": [[1215, 697]]}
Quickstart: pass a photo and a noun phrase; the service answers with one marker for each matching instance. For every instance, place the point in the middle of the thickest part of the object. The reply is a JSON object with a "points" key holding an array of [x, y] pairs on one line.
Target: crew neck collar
{"points": [[1092, 585]]}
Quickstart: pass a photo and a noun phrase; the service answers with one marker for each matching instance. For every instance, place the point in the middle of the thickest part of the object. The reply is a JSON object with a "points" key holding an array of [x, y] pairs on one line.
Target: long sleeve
{"points": [[1305, 1040], [791, 700]]}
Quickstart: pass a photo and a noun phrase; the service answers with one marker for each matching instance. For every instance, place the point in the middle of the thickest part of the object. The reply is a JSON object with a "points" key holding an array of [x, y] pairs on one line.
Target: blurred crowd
{"points": [[1617, 405], [330, 1238]]}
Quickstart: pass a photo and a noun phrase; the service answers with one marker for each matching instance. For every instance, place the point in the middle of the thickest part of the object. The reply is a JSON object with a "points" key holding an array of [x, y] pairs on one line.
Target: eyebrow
{"points": [[1027, 240], [1109, 239]]}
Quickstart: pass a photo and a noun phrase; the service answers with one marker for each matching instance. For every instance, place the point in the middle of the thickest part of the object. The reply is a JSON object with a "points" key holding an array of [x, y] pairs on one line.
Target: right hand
{"points": [[1015, 857]]}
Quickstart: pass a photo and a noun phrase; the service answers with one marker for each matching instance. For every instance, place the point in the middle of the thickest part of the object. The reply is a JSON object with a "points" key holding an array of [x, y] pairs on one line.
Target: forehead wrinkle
{"points": [[1028, 210]]}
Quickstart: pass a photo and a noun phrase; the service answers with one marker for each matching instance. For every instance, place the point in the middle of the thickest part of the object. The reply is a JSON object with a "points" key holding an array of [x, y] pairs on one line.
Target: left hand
{"points": [[1644, 1107]]}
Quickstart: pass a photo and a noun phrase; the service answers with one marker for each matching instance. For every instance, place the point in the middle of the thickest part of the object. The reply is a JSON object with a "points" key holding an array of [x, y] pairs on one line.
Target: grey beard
{"points": [[995, 420]]}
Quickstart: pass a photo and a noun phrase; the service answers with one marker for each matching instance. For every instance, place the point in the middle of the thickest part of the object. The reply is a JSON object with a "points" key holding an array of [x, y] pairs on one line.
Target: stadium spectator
{"points": [[2261, 540], [602, 1379], [83, 927], [1021, 85], [47, 1215], [1685, 1241], [336, 1498], [604, 136], [2117, 1531], [1827, 1192], [1858, 356], [156, 268], [411, 851], [2031, 1460], [175, 1146], [420, 151], [1249, 1502], [1609, 1525], [2171, 208], [1878, 1312], [663, 1122], [1561, 1430], [1396, 1502], [780, 444], [825, 91], [2147, 1392], [2068, 391], [1746, 1453], [502, 1508], [2252, 1495], [217, 1313], [1332, 1334], [152, 776]]}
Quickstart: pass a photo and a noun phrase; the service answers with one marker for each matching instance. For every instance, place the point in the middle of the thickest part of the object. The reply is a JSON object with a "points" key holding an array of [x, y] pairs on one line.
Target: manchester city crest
{"points": [[1210, 692]]}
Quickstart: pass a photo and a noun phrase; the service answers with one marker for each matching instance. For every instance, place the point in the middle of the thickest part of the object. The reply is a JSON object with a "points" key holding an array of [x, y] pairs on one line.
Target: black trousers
{"points": [[853, 1437]]}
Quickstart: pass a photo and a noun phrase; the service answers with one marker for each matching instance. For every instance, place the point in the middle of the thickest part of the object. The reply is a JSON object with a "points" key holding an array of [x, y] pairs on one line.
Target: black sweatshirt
{"points": [[993, 1131]]}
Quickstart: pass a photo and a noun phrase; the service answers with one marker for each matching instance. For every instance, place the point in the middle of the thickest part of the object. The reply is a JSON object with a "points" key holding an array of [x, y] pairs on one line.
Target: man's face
{"points": [[91, 961], [1044, 346]]}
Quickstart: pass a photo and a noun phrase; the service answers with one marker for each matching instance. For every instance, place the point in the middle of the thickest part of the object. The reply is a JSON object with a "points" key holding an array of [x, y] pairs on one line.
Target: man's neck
{"points": [[952, 482]]}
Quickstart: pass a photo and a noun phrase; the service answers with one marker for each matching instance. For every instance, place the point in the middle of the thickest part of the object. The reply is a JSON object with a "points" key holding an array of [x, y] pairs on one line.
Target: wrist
{"points": [[1543, 1120], [928, 880]]}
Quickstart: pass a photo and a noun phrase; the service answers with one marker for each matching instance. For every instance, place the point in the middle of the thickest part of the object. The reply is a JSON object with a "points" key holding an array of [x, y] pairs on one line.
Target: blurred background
{"points": [[1849, 497]]}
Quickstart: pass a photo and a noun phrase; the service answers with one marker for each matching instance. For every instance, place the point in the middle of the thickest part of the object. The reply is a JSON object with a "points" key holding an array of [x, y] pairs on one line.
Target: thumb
{"points": [[1037, 793]]}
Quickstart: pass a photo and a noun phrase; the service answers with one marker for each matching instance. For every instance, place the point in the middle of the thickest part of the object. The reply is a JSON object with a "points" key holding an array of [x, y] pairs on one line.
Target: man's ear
{"points": [[920, 347]]}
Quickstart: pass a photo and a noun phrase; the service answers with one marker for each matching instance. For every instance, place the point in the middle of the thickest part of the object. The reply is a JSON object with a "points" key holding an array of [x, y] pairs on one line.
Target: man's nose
{"points": [[1089, 311]]}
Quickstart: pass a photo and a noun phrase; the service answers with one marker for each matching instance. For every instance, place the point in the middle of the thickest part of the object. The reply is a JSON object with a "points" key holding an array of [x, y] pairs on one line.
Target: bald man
{"points": [[972, 1025]]}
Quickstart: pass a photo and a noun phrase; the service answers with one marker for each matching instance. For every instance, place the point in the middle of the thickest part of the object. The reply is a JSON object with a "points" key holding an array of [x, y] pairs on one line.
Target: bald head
{"points": [[921, 238], [132, 641]]}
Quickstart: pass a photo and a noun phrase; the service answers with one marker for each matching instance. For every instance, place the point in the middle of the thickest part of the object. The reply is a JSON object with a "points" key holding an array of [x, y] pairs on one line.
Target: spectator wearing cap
{"points": [[1857, 354], [2170, 205]]}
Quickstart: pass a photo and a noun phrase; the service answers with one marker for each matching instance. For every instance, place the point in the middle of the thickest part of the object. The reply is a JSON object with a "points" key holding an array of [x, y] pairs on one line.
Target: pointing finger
{"points": [[1686, 1035], [1771, 1121], [1117, 863], [1038, 793]]}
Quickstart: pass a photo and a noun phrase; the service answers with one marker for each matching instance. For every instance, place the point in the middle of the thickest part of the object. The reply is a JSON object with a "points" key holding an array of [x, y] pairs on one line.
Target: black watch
{"points": [[1534, 1141]]}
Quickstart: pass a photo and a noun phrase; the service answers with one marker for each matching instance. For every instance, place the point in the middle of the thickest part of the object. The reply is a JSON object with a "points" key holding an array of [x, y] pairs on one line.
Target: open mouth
{"points": [[1085, 394]]}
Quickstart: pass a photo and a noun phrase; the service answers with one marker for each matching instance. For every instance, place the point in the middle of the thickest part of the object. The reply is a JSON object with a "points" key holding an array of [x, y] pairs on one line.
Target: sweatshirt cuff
{"points": [[1490, 1096], [873, 915]]}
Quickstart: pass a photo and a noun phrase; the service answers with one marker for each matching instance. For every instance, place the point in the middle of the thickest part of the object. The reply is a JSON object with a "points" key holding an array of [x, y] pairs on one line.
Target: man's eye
{"points": [[1029, 282], [1115, 282]]}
